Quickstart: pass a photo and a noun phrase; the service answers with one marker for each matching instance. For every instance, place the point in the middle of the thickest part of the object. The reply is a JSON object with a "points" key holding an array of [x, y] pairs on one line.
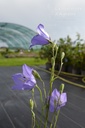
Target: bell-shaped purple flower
{"points": [[42, 38], [57, 100], [25, 80]]}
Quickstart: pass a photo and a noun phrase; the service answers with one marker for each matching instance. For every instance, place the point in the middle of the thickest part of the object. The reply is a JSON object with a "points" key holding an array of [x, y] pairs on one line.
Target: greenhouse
{"points": [[15, 36]]}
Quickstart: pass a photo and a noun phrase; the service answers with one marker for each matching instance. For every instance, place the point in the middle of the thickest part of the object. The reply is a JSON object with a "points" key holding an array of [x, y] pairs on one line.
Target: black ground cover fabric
{"points": [[14, 105]]}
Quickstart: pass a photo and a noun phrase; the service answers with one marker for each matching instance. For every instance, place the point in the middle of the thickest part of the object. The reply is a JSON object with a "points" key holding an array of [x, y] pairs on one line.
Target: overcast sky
{"points": [[60, 17]]}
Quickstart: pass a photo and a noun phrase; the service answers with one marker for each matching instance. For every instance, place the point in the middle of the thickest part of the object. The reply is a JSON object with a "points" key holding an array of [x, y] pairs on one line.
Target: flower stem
{"points": [[56, 118], [60, 68], [51, 83], [41, 98], [33, 119], [47, 113], [53, 65], [44, 88], [52, 75], [33, 97], [52, 120]]}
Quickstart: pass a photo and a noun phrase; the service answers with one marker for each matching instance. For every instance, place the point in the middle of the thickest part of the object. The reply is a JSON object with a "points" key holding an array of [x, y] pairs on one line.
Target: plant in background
{"points": [[74, 54], [46, 52], [52, 100]]}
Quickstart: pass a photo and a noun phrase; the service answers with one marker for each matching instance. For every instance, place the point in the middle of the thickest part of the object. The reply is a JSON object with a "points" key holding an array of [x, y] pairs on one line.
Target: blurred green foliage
{"points": [[74, 52]]}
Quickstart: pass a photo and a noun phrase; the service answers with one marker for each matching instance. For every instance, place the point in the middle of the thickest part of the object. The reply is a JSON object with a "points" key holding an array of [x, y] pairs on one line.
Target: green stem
{"points": [[60, 68], [33, 119], [52, 120], [47, 113], [51, 83], [41, 98], [52, 77], [44, 88], [33, 97], [53, 67], [56, 51], [56, 118], [51, 80]]}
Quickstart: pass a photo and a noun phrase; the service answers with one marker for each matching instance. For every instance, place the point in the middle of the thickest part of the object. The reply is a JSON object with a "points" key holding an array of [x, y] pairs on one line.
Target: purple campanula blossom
{"points": [[42, 38], [25, 80], [57, 100]]}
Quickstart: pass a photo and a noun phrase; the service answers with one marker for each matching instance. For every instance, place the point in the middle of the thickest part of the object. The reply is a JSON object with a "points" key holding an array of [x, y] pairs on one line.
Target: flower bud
{"points": [[56, 48], [61, 88], [36, 74], [62, 55], [31, 104], [54, 44], [53, 60]]}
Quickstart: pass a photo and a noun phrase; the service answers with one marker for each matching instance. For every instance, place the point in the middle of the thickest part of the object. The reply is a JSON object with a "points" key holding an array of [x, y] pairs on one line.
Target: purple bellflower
{"points": [[25, 80], [57, 100], [42, 38]]}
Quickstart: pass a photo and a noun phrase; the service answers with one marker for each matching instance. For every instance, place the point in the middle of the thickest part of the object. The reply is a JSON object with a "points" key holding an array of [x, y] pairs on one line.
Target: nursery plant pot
{"points": [[78, 71], [48, 65], [74, 71], [69, 69], [83, 72]]}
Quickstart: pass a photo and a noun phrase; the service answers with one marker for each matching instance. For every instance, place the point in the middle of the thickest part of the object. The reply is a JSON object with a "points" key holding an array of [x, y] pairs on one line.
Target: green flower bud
{"points": [[62, 55], [31, 104], [61, 88], [54, 44], [56, 48], [36, 74], [53, 60]]}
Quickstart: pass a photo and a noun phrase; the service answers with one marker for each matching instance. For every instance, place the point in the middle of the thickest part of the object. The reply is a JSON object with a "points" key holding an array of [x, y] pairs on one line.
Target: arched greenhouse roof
{"points": [[15, 36]]}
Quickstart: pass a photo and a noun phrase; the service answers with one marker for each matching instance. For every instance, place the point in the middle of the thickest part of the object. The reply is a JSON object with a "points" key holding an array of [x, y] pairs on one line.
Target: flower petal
{"points": [[18, 87], [54, 100], [27, 71], [55, 94], [63, 98], [57, 100], [32, 78], [42, 32], [18, 79], [51, 108], [38, 40], [28, 85]]}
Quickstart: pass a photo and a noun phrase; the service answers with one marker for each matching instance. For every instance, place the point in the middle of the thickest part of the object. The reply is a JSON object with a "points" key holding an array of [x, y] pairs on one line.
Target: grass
{"points": [[21, 61]]}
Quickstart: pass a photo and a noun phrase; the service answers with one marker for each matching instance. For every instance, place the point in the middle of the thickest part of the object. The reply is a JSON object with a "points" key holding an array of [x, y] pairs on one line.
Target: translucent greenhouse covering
{"points": [[15, 36]]}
